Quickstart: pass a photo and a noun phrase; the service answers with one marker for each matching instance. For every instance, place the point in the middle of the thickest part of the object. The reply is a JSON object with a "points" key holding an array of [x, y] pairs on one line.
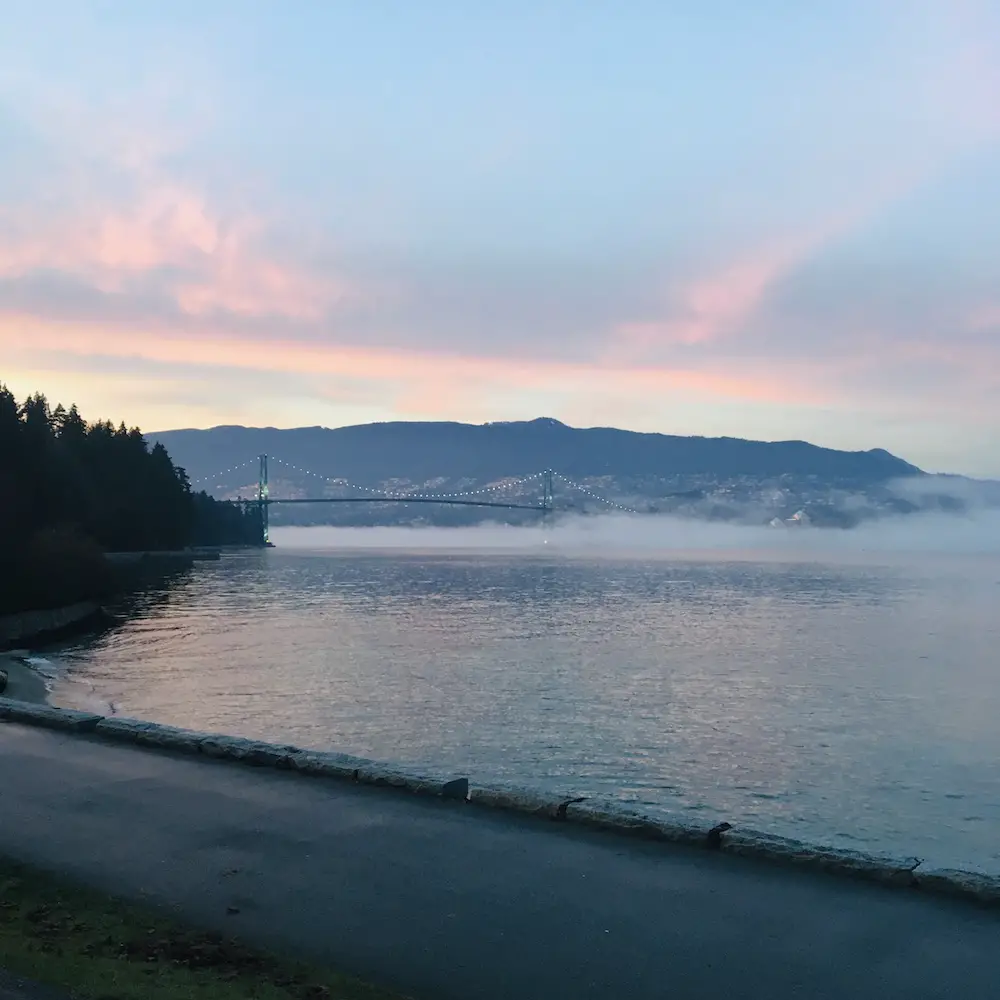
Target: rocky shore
{"points": [[18, 680], [31, 626]]}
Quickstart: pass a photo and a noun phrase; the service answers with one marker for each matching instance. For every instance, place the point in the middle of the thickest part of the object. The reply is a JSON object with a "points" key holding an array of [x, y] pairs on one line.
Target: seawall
{"points": [[609, 816], [30, 626], [168, 557]]}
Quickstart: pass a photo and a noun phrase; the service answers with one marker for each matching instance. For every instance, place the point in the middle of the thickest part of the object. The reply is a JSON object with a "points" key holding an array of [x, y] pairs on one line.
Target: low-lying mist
{"points": [[650, 535]]}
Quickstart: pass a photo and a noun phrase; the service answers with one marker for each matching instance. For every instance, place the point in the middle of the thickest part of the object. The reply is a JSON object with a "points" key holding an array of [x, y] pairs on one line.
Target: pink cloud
{"points": [[725, 303], [212, 264], [719, 304], [417, 380], [961, 77], [123, 216], [711, 306]]}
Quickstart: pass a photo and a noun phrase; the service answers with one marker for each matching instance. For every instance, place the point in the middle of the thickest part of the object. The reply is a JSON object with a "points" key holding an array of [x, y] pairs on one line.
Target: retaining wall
{"points": [[16, 630], [907, 872]]}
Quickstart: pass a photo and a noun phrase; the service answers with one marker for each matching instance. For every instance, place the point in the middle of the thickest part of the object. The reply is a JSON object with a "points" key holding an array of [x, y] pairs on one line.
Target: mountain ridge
{"points": [[422, 450]]}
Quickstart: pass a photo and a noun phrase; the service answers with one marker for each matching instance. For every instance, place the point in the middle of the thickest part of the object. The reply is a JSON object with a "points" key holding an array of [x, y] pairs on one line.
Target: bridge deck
{"points": [[453, 503]]}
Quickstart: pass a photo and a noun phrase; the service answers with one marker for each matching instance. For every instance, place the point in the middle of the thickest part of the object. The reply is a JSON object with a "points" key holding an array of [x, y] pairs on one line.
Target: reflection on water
{"points": [[844, 702]]}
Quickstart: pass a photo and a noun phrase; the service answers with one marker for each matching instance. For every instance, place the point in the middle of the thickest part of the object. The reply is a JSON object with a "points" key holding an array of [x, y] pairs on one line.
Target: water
{"points": [[844, 698]]}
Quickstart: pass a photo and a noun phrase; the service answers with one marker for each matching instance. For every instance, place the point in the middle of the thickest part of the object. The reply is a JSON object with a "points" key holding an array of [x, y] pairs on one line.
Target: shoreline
{"points": [[24, 683], [444, 899], [896, 871], [26, 628], [39, 625]]}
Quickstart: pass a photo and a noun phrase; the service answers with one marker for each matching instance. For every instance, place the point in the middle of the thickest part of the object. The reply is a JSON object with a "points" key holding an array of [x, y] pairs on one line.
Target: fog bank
{"points": [[662, 535]]}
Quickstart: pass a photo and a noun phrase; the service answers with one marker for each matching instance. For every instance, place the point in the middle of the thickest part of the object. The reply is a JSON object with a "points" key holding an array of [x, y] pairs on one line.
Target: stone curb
{"points": [[616, 818], [234, 748], [612, 817], [45, 715], [609, 816]]}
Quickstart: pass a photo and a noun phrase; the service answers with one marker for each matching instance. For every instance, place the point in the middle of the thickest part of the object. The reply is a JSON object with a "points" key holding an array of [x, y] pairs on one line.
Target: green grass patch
{"points": [[77, 939]]}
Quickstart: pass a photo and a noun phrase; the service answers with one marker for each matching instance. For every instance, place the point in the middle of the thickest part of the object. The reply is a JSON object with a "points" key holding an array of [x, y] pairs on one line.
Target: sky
{"points": [[772, 220]]}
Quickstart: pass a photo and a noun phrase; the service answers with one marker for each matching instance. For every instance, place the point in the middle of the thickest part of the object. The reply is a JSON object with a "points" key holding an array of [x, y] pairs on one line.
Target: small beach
{"points": [[23, 683]]}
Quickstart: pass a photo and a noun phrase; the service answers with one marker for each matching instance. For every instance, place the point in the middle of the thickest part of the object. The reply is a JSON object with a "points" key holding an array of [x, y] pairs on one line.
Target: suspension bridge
{"points": [[263, 500]]}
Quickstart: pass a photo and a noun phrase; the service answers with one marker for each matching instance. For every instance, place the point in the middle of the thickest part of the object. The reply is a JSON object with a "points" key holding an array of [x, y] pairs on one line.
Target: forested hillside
{"points": [[373, 454], [70, 489]]}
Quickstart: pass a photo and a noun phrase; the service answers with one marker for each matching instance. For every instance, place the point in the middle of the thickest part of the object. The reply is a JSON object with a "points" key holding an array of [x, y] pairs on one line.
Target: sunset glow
{"points": [[783, 223]]}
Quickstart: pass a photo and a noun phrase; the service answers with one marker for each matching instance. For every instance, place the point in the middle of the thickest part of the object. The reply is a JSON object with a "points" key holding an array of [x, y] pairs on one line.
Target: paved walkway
{"points": [[446, 900]]}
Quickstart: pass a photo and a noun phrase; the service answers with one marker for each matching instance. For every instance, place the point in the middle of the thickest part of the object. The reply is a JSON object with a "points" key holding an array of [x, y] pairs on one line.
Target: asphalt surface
{"points": [[447, 900]]}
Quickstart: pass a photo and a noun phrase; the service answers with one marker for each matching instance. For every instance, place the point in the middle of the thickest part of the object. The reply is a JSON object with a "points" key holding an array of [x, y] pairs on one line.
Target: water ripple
{"points": [[851, 704]]}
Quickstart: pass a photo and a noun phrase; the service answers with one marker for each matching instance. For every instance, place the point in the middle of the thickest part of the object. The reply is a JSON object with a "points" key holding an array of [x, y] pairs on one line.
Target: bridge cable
{"points": [[224, 472], [596, 496], [505, 485], [497, 487]]}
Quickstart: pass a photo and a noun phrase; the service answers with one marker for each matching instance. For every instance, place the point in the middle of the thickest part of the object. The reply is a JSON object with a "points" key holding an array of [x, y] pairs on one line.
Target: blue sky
{"points": [[771, 220]]}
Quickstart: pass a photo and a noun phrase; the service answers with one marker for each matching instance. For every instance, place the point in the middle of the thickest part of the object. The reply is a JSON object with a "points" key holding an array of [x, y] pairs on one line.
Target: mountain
{"points": [[418, 453]]}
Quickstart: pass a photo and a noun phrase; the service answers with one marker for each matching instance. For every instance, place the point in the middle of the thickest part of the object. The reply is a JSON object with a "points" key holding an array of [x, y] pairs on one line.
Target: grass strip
{"points": [[73, 938]]}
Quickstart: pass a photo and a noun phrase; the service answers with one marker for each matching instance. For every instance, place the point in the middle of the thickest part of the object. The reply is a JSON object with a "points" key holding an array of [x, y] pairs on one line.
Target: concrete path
{"points": [[446, 900]]}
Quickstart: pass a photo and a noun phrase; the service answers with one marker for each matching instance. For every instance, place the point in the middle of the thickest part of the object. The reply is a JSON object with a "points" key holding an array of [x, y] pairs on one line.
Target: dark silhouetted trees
{"points": [[69, 490]]}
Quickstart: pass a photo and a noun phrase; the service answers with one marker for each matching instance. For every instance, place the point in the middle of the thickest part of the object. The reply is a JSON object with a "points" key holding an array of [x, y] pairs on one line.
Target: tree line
{"points": [[71, 490]]}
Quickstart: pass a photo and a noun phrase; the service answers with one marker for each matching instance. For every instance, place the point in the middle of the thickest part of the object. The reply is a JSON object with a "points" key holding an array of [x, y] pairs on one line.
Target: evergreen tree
{"points": [[69, 489]]}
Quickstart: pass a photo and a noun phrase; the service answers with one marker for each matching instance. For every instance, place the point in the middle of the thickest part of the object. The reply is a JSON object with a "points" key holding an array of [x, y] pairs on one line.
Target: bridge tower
{"points": [[262, 501], [546, 496]]}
